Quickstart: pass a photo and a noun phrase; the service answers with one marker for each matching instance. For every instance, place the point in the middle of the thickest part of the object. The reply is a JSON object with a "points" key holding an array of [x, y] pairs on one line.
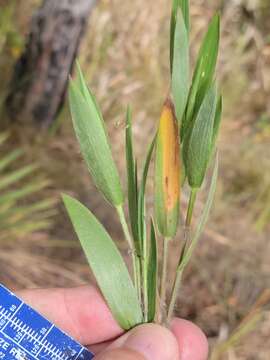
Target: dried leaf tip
{"points": [[168, 133], [167, 172]]}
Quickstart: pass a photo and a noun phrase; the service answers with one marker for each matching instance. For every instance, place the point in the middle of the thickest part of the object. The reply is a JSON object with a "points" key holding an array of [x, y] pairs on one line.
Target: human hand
{"points": [[82, 313]]}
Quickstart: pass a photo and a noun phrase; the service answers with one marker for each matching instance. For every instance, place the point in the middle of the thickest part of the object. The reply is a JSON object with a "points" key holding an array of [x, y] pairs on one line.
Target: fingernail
{"points": [[153, 342]]}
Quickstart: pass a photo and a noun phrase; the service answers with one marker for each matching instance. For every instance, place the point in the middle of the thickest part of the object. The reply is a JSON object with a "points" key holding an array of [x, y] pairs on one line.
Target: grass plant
{"points": [[184, 147]]}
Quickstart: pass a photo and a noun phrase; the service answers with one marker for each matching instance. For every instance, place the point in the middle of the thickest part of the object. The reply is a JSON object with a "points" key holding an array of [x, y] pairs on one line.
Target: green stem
{"points": [[138, 277], [180, 268], [191, 204], [145, 279], [163, 284], [176, 287], [178, 276], [136, 272]]}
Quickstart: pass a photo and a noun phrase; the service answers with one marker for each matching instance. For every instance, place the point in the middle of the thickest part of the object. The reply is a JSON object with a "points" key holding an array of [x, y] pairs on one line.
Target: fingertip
{"points": [[151, 341], [119, 354], [192, 341]]}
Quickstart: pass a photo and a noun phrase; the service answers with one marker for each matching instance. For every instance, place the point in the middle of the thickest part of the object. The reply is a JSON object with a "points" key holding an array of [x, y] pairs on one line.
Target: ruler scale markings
{"points": [[26, 335], [12, 316], [44, 338], [24, 350], [17, 344], [78, 354]]}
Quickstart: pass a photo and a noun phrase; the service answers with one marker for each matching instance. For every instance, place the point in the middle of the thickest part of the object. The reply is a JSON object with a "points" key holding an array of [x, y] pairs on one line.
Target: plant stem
{"points": [[176, 287], [145, 279], [138, 277], [135, 261], [178, 276], [180, 269], [163, 284], [191, 204]]}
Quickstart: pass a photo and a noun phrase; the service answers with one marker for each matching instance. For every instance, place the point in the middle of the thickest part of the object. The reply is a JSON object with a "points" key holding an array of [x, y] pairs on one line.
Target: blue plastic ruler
{"points": [[26, 335]]}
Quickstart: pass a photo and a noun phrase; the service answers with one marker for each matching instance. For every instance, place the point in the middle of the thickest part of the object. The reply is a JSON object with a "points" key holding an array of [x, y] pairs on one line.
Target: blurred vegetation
{"points": [[10, 39], [125, 58], [18, 217]]}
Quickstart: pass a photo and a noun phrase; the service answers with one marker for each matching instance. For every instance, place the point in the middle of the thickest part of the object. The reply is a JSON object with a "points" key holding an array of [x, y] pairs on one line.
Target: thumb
{"points": [[145, 342]]}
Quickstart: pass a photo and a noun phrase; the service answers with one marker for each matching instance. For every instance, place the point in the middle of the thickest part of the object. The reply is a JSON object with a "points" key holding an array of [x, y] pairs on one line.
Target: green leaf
{"points": [[141, 197], [152, 271], [142, 227], [185, 11], [132, 182], [180, 69], [183, 6], [182, 166], [93, 140], [204, 71], [106, 263], [217, 121], [85, 90], [198, 146], [185, 258]]}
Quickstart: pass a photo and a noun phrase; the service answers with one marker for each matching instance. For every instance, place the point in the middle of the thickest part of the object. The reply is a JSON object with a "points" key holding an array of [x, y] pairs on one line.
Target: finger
{"points": [[192, 342], [145, 342], [81, 312], [120, 354], [97, 348]]}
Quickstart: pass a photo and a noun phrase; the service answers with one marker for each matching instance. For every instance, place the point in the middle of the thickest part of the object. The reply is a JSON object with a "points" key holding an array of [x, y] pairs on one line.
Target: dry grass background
{"points": [[125, 57]]}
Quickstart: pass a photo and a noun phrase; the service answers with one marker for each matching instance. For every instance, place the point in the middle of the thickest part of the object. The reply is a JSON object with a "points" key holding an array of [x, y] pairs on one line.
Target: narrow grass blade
{"points": [[142, 228], [217, 121], [237, 335], [22, 219], [8, 159], [5, 207], [180, 68], [204, 71], [152, 270], [132, 182], [22, 228], [26, 211], [16, 175], [141, 196], [183, 6], [29, 189], [106, 263], [93, 140], [205, 214]]}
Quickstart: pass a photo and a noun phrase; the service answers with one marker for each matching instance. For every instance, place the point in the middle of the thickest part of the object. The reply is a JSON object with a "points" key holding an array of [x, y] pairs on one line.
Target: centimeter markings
{"points": [[26, 335]]}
